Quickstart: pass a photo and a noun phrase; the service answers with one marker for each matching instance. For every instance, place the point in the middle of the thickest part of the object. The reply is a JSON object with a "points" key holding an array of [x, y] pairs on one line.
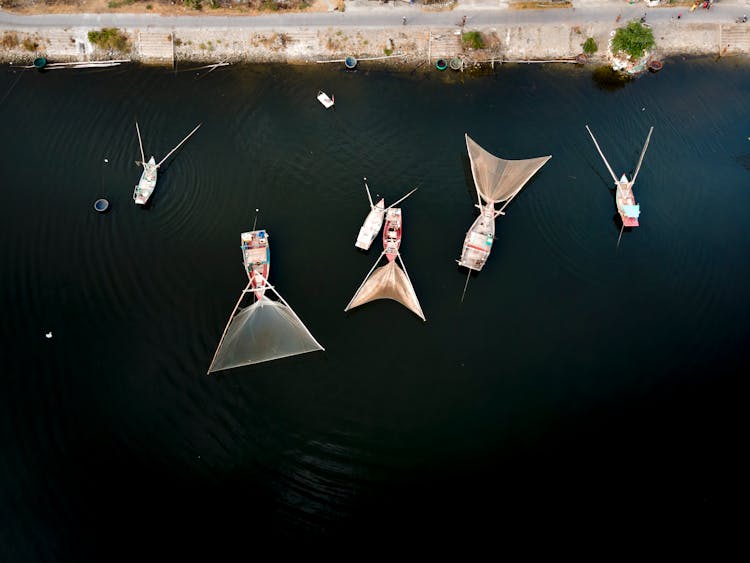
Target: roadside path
{"points": [[479, 15]]}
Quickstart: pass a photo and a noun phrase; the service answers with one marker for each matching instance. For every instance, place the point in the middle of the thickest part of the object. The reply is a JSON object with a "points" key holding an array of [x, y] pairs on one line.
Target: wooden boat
{"points": [[627, 207], [256, 255], [374, 220], [389, 281], [325, 100], [147, 183], [496, 180], [268, 328], [371, 227], [392, 233], [479, 239]]}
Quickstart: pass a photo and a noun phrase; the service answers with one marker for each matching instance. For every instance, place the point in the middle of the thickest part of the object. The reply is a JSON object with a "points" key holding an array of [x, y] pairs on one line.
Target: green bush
{"points": [[590, 47], [195, 4], [473, 39], [110, 39], [633, 39]]}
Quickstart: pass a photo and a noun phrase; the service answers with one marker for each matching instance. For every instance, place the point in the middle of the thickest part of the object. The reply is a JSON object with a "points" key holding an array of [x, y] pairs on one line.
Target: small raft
{"points": [[325, 100]]}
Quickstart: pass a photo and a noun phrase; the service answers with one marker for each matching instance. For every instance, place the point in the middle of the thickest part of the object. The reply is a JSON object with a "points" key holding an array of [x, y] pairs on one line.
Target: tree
{"points": [[633, 39]]}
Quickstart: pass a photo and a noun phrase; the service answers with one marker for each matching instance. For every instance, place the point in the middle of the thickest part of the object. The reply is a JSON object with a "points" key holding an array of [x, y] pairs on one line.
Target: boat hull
{"points": [[256, 256], [478, 240], [626, 205], [147, 183], [371, 227], [392, 233]]}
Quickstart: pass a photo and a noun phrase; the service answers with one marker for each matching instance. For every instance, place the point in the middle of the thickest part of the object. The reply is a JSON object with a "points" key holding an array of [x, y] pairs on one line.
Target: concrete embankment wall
{"points": [[299, 45]]}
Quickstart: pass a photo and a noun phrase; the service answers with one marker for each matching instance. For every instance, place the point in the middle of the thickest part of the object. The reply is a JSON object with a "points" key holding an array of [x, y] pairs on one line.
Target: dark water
{"points": [[575, 376]]}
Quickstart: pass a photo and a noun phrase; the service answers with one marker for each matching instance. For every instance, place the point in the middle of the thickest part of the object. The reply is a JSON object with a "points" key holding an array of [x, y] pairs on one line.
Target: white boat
{"points": [[147, 183], [325, 100], [374, 220]]}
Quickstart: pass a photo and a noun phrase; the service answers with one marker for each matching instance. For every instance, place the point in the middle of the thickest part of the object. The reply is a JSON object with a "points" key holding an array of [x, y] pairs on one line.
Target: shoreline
{"points": [[361, 33]]}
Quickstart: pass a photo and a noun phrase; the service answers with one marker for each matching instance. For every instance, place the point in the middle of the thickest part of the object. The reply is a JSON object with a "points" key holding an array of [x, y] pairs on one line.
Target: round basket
{"points": [[456, 63], [441, 64], [350, 62], [101, 205], [655, 66], [40, 63]]}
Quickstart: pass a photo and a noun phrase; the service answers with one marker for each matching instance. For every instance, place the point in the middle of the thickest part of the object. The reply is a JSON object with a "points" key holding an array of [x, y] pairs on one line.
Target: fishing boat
{"points": [[325, 100], [392, 233], [267, 329], [627, 207], [496, 180], [147, 183], [389, 281], [256, 255], [374, 220]]}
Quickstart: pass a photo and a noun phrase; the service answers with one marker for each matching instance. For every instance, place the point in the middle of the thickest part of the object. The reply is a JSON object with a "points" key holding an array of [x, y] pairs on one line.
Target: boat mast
{"points": [[602, 154], [402, 199], [140, 144], [178, 145], [369, 198], [643, 153]]}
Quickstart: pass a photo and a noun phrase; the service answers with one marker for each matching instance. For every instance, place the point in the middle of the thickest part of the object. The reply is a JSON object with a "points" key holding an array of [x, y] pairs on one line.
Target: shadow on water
{"points": [[608, 79]]}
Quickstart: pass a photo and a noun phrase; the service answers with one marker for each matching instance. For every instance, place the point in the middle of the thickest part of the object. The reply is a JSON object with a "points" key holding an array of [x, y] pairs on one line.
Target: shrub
{"points": [[109, 39], [387, 51], [10, 40], [30, 45], [195, 4], [633, 39], [590, 47], [473, 39]]}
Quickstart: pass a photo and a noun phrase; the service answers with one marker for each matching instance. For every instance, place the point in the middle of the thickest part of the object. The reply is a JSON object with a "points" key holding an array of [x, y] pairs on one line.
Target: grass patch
{"points": [[590, 47], [539, 5], [194, 4], [10, 40], [633, 39], [473, 40], [30, 45], [110, 39], [119, 3]]}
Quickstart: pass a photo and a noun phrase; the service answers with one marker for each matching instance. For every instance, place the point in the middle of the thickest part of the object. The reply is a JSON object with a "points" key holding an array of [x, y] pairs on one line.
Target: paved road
{"points": [[388, 15]]}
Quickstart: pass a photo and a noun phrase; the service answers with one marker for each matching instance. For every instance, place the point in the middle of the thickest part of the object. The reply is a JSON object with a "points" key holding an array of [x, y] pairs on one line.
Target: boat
{"points": [[392, 233], [496, 180], [256, 255], [627, 207], [147, 183], [325, 100], [389, 281], [374, 220], [267, 329]]}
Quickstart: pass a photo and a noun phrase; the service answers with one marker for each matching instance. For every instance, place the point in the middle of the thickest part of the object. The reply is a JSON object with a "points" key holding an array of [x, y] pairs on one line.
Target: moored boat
{"points": [[147, 183], [371, 227], [392, 233], [256, 255], [478, 241]]}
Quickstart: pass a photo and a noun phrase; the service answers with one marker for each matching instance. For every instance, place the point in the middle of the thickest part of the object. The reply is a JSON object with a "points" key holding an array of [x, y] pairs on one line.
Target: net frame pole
{"points": [[643, 153], [140, 143], [364, 280], [179, 145], [403, 266], [601, 154]]}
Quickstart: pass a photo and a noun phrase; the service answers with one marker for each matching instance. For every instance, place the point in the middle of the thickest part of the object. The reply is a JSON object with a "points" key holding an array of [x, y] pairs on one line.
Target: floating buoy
{"points": [[48, 335], [40, 63], [350, 62], [441, 64], [101, 205], [456, 63]]}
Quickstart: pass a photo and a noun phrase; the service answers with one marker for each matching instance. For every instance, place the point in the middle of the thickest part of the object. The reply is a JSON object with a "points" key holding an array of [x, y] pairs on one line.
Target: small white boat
{"points": [[325, 100], [147, 183]]}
